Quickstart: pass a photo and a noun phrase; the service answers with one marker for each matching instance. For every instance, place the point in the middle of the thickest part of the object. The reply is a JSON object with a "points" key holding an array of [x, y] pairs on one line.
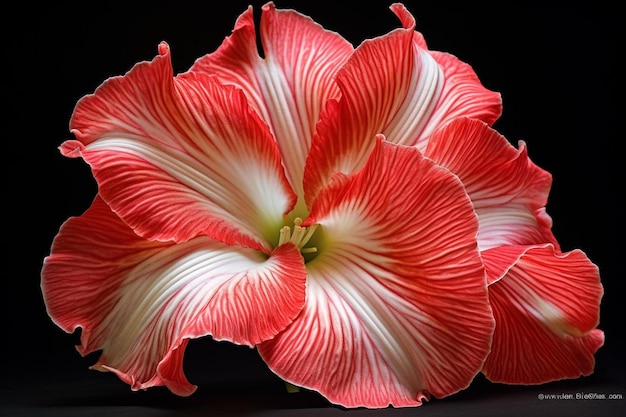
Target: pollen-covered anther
{"points": [[299, 237]]}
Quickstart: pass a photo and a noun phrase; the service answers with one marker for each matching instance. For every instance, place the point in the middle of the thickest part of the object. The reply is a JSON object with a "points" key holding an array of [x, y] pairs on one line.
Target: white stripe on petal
{"points": [[247, 194], [140, 301], [508, 191], [383, 323], [425, 88], [188, 291], [546, 307], [289, 86]]}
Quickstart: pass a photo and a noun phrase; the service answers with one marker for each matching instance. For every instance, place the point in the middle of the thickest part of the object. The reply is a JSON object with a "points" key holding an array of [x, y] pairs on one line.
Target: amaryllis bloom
{"points": [[347, 211]]}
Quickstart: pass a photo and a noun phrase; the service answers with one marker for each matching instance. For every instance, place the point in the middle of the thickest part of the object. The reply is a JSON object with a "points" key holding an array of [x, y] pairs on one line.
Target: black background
{"points": [[554, 64]]}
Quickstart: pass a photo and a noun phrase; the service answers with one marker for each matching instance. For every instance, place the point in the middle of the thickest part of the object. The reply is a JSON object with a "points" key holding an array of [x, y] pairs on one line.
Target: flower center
{"points": [[300, 236]]}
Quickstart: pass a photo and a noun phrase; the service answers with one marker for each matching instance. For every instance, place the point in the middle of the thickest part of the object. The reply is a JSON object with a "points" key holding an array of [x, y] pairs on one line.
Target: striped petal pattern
{"points": [[509, 192], [546, 308], [546, 303], [290, 84], [162, 146], [393, 86], [382, 323], [350, 212], [141, 301]]}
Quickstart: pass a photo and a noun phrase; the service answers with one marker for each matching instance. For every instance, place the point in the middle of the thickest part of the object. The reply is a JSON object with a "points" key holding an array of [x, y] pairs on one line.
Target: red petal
{"points": [[179, 158], [546, 309], [392, 86], [508, 191], [396, 304], [462, 91], [371, 96], [290, 85], [463, 95], [456, 92], [140, 301], [498, 261]]}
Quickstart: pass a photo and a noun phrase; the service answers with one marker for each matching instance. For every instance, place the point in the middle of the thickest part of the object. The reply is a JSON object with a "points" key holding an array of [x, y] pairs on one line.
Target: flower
{"points": [[350, 212]]}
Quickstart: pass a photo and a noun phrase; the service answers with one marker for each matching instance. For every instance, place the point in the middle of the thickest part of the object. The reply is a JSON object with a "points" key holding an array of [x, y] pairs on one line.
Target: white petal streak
{"points": [[246, 194], [513, 224], [508, 191], [151, 294], [546, 307], [296, 78], [347, 338], [366, 304], [397, 251], [289, 86], [372, 334], [291, 130], [409, 125], [162, 298]]}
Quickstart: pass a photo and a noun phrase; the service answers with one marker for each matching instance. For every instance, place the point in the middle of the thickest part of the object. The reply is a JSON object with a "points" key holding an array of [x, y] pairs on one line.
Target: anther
{"points": [[285, 234], [299, 237]]}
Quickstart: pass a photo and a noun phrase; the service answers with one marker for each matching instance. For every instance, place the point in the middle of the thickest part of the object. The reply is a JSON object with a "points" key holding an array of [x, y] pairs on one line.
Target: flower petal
{"points": [[383, 321], [182, 157], [288, 87], [546, 308], [393, 86], [140, 301], [442, 89], [508, 191], [371, 95]]}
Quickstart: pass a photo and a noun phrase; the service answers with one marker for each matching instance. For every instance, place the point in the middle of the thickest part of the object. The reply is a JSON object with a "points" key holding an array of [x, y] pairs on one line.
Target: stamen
{"points": [[285, 233], [309, 233], [298, 234], [299, 237]]}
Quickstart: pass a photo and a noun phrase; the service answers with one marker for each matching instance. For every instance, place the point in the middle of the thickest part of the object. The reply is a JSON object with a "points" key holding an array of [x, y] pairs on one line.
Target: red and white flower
{"points": [[348, 211]]}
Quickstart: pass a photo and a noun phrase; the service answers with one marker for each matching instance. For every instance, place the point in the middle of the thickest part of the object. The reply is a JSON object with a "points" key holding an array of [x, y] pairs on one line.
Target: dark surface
{"points": [[554, 65]]}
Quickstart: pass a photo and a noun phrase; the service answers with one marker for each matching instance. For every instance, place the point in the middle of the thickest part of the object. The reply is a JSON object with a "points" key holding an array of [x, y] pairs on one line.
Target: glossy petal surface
{"points": [[509, 192], [546, 308], [382, 322], [290, 84], [141, 301], [430, 259], [393, 86], [182, 157]]}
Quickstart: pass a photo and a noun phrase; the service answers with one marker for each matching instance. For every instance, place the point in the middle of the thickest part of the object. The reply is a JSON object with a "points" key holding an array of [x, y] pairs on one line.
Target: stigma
{"points": [[300, 235]]}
